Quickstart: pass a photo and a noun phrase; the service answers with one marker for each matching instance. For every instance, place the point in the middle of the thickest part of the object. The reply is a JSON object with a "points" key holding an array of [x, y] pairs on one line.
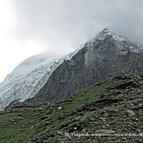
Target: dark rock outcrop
{"points": [[105, 56]]}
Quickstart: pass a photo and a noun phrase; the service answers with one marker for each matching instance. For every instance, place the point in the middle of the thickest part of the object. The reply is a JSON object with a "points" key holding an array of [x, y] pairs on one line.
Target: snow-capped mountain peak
{"points": [[120, 42], [32, 79], [107, 32]]}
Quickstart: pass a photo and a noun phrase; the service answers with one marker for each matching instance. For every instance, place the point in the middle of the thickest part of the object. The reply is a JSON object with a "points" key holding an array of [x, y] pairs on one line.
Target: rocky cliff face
{"points": [[105, 56]]}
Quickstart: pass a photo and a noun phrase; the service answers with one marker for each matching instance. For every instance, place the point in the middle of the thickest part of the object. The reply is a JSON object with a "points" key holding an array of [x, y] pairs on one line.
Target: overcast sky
{"points": [[28, 27]]}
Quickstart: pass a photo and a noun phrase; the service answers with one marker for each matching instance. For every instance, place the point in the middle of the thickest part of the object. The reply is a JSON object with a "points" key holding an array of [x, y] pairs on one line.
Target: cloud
{"points": [[61, 26], [65, 24]]}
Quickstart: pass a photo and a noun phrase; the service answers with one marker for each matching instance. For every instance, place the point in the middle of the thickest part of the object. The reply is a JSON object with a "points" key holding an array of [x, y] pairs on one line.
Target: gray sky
{"points": [[28, 27]]}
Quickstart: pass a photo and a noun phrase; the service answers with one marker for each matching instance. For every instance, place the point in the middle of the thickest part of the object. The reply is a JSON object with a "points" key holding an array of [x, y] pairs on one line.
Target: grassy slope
{"points": [[97, 107]]}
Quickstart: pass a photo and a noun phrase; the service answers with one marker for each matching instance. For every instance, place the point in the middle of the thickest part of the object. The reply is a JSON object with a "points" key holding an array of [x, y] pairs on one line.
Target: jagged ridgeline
{"points": [[53, 79], [105, 56]]}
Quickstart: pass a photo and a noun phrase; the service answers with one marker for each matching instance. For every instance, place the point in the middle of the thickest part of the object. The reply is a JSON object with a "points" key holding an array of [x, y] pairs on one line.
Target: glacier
{"points": [[19, 85]]}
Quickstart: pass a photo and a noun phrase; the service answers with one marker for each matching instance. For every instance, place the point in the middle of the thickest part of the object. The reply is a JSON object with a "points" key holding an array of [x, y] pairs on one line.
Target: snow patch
{"points": [[29, 77], [21, 82], [106, 32]]}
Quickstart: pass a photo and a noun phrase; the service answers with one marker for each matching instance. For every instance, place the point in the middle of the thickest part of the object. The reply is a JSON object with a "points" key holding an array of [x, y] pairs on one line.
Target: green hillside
{"points": [[112, 107]]}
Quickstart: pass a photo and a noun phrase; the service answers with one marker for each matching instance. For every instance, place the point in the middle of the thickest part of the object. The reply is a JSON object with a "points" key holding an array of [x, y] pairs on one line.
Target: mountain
{"points": [[42, 78], [96, 90], [105, 56], [112, 109], [20, 84]]}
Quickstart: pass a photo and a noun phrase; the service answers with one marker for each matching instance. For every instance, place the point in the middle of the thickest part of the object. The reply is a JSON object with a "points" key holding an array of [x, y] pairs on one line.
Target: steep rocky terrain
{"points": [[105, 56], [42, 78], [108, 112]]}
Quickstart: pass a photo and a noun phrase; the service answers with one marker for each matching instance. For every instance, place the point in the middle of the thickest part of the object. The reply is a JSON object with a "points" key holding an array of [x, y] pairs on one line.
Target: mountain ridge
{"points": [[106, 55], [103, 57]]}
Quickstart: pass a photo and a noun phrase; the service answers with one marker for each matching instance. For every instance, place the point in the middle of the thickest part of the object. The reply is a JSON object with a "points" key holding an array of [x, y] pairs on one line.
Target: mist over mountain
{"points": [[43, 78], [71, 71], [62, 25], [105, 56]]}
